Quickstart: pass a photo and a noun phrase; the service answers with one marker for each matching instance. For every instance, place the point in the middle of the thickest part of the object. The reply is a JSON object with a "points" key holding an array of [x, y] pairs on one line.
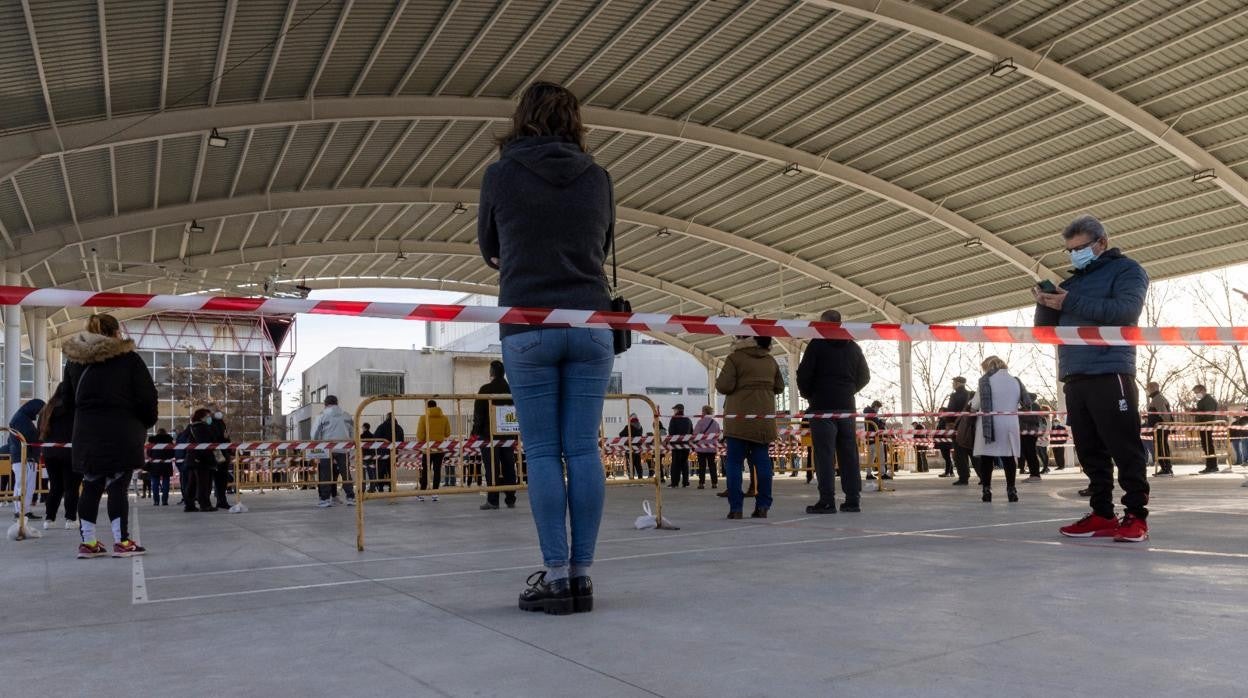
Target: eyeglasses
{"points": [[1086, 245]]}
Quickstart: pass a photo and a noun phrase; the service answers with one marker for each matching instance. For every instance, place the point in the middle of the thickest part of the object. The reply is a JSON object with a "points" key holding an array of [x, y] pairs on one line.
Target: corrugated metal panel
{"points": [[266, 143], [11, 210], [193, 53], [359, 35], [69, 41], [136, 41], [658, 17], [177, 169], [443, 150], [136, 189], [471, 159], [303, 47], [549, 38], [1054, 25], [680, 186], [384, 138], [405, 42], [468, 20], [420, 139], [252, 41], [19, 83], [43, 190], [507, 30], [303, 149], [334, 159], [90, 180], [220, 165]]}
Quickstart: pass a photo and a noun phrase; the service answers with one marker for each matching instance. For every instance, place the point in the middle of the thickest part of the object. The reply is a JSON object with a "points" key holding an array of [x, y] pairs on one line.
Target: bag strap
{"points": [[615, 272]]}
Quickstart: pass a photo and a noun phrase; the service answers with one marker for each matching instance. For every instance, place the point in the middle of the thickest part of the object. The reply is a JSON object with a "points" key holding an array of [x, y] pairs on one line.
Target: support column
{"points": [[905, 356], [37, 329], [12, 349], [795, 400], [56, 372], [712, 395]]}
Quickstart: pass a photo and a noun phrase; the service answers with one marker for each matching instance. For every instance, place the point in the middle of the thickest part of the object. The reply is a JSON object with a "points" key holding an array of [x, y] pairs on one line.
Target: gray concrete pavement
{"points": [[928, 592]]}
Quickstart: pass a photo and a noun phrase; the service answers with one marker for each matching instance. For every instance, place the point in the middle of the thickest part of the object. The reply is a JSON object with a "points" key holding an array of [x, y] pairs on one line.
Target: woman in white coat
{"points": [[997, 437]]}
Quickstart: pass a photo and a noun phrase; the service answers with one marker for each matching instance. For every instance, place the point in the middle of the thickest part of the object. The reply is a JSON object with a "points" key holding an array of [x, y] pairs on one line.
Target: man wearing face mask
{"points": [[1204, 405], [1107, 289]]}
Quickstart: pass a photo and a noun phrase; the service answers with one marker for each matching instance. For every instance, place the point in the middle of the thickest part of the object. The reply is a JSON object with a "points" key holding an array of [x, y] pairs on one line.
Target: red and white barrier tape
{"points": [[655, 322]]}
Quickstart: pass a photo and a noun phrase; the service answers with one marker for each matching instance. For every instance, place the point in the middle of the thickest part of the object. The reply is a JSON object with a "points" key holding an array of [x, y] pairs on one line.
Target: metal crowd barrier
{"points": [[459, 448], [18, 474], [1186, 438]]}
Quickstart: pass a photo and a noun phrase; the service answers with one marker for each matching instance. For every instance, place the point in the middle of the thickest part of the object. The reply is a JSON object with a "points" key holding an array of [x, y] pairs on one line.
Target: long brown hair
{"points": [[104, 324], [547, 109]]}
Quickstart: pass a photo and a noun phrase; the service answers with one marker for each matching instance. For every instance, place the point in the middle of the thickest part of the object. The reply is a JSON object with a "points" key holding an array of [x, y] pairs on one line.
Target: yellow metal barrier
{"points": [[20, 482], [1185, 437], [460, 457]]}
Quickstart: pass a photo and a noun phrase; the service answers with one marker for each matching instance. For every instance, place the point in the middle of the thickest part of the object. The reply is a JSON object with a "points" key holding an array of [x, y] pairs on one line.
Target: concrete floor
{"points": [[928, 592]]}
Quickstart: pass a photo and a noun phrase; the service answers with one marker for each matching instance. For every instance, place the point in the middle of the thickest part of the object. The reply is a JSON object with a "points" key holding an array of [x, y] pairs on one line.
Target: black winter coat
{"points": [[481, 408], [831, 373], [957, 402], [113, 399], [389, 431], [202, 459]]}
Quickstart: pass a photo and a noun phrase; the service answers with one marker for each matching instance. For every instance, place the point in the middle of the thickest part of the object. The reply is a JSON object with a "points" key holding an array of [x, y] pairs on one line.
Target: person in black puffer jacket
{"points": [[56, 425], [114, 403], [200, 463]]}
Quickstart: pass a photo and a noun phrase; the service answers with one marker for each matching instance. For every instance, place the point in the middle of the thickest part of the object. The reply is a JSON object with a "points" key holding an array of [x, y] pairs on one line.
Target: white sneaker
{"points": [[420, 498], [434, 497], [337, 500], [71, 524], [325, 504], [47, 523], [350, 501]]}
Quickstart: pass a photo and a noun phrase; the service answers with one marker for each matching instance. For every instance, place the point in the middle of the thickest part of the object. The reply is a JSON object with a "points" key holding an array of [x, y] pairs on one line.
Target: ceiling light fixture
{"points": [[663, 233], [1204, 176], [1003, 67], [216, 140], [826, 287], [973, 243], [195, 227], [400, 257], [792, 170], [459, 209]]}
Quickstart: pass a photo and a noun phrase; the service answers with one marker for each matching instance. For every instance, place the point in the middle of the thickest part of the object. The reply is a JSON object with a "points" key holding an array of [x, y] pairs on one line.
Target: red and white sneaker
{"points": [[1091, 526], [90, 550], [127, 548], [1131, 529]]}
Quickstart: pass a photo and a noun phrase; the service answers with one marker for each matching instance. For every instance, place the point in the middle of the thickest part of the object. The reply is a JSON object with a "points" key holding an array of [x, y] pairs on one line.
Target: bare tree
{"points": [[1222, 369], [238, 395]]}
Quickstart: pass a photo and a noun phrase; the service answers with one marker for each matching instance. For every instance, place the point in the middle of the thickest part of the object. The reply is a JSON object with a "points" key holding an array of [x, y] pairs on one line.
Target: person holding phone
{"points": [[1106, 289]]}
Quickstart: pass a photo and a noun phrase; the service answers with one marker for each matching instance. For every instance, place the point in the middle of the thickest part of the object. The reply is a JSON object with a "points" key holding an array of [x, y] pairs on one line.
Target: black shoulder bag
{"points": [[621, 338]]}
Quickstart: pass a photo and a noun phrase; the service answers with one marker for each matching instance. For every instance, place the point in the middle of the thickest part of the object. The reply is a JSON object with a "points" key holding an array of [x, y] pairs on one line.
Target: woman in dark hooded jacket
{"points": [[56, 425], [114, 403]]}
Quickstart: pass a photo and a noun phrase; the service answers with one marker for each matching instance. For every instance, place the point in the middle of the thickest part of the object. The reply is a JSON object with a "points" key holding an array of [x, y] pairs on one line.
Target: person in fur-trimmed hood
{"points": [[113, 400]]}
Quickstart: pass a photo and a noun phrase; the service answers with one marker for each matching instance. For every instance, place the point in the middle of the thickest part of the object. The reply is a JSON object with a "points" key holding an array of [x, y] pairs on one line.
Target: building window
{"points": [[664, 391], [696, 391], [381, 384], [615, 386]]}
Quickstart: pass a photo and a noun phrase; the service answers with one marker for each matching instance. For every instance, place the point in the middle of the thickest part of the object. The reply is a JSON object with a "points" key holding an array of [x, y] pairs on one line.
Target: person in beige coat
{"points": [[750, 381]]}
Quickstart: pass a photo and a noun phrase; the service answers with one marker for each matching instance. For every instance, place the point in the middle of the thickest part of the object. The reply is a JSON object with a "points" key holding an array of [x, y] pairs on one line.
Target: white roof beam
{"points": [[516, 45], [472, 46], [223, 48], [355, 155], [208, 210], [424, 47], [395, 15], [646, 50], [277, 49], [108, 89], [914, 18], [329, 48], [587, 20], [164, 58], [39, 69]]}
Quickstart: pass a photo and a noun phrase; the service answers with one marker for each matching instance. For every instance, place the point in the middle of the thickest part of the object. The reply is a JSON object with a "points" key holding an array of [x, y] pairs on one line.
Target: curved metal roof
{"points": [[898, 160]]}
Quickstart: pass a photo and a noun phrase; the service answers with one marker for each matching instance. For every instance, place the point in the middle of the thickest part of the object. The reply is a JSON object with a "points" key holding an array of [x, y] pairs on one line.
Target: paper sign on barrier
{"points": [[505, 420]]}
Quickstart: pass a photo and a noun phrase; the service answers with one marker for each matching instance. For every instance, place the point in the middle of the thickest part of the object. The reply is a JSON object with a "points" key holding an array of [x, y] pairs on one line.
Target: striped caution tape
{"points": [[651, 322]]}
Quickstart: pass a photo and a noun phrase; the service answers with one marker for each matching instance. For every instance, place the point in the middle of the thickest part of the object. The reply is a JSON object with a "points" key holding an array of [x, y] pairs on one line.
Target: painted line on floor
{"points": [[138, 580], [461, 553], [1103, 544]]}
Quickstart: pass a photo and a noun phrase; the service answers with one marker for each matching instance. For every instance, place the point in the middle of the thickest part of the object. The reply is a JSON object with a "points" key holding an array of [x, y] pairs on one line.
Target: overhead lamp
{"points": [[459, 209], [216, 140], [303, 291], [400, 257], [973, 243], [1204, 176], [792, 170], [663, 233], [195, 227], [825, 286], [1003, 67]]}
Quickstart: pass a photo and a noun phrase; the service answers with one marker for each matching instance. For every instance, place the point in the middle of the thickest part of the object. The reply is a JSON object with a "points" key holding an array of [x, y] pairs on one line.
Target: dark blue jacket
{"points": [[1109, 292], [23, 422], [548, 214]]}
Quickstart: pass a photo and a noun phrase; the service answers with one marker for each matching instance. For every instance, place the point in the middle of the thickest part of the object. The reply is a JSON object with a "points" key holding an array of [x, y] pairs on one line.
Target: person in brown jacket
{"points": [[750, 381]]}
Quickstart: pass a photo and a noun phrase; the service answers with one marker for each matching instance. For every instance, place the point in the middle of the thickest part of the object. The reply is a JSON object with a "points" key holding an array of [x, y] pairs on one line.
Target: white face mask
{"points": [[1199, 396], [217, 415]]}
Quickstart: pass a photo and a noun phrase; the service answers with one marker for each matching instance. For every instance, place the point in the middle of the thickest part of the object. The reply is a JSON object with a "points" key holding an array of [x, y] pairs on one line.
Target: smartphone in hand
{"points": [[1047, 286]]}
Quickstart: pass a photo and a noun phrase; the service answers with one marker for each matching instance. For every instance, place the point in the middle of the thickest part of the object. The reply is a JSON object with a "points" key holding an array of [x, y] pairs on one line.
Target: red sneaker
{"points": [[127, 548], [1131, 530], [1091, 526], [87, 551]]}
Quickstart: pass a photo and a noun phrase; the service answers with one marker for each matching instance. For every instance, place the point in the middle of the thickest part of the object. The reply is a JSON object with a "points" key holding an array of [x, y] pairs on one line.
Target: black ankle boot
{"points": [[987, 494], [1012, 494], [582, 594], [554, 597]]}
